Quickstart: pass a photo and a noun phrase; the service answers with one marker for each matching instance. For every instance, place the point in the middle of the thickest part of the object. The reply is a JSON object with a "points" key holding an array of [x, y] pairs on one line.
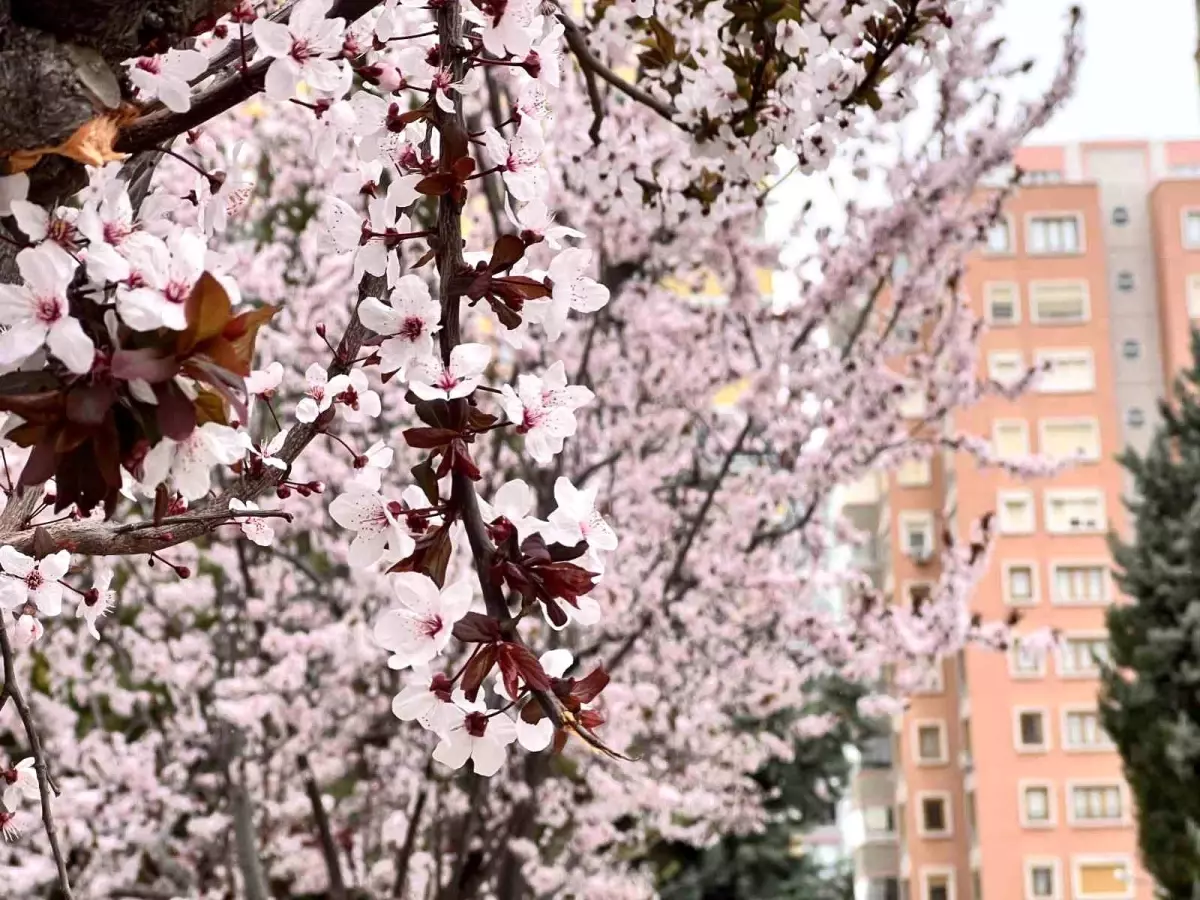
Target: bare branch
{"points": [[329, 850]]}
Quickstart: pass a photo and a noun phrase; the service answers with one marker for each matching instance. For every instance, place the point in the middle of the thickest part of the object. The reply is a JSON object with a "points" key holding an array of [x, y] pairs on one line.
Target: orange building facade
{"points": [[999, 782]]}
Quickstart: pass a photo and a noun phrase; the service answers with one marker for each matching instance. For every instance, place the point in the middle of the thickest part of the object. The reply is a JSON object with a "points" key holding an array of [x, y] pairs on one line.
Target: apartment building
{"points": [[999, 782]]}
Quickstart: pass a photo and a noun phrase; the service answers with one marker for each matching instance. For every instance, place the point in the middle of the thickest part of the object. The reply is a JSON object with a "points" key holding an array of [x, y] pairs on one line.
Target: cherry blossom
{"points": [[577, 519], [264, 382], [37, 313], [537, 736], [535, 217], [300, 49], [56, 232], [320, 396], [165, 77], [420, 629], [572, 289], [519, 159], [375, 521], [33, 581], [356, 401], [374, 461], [21, 781], [476, 736], [430, 380], [544, 59], [256, 528], [12, 187], [514, 500], [162, 277], [99, 600], [408, 324], [426, 698], [10, 828], [189, 463], [543, 410], [510, 31]]}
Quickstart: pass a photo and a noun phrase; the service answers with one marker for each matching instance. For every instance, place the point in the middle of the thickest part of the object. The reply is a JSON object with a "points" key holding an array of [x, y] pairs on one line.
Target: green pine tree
{"points": [[1151, 687]]}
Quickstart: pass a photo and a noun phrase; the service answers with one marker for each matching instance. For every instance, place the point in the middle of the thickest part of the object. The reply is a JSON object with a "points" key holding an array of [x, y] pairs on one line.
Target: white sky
{"points": [[1139, 77]]}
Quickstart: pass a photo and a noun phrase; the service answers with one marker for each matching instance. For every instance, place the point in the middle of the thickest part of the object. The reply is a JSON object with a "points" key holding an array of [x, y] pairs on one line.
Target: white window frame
{"points": [[1122, 860], [1062, 652], [1085, 312], [997, 424], [1050, 421], [1043, 862], [1106, 584], [1001, 498], [1183, 231], [988, 287], [1192, 296], [1051, 494], [946, 872], [1015, 673], [1051, 821], [1035, 596], [1104, 783], [1046, 354], [1029, 749], [995, 355], [872, 835], [1007, 221], [919, 518], [913, 405], [943, 757], [947, 805], [1065, 713], [1055, 214], [926, 479]]}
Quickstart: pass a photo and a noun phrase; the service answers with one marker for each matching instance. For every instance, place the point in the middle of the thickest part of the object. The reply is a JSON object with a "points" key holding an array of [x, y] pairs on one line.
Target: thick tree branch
{"points": [[329, 850], [13, 689]]}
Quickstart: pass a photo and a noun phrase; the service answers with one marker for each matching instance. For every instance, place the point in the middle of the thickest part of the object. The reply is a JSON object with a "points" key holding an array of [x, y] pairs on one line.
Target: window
{"points": [[1020, 584], [1191, 228], [1120, 215], [939, 886], [1031, 731], [1006, 367], [1037, 806], [887, 888], [1096, 803], [1025, 660], [1058, 302], [934, 810], [1054, 234], [1041, 879], [1081, 656], [1125, 281], [931, 743], [1002, 303], [1041, 176], [916, 530], [879, 820], [913, 405], [1077, 439], [1082, 731], [918, 594], [1016, 514], [1193, 296], [1010, 438], [1101, 878], [1066, 371], [914, 473], [1075, 511], [999, 237], [1131, 349], [1135, 418], [1080, 583]]}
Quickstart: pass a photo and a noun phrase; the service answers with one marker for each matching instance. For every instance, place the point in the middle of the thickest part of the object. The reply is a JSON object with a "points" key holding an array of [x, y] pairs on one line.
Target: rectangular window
{"points": [[1002, 303], [1191, 229], [1058, 302], [1080, 583], [1080, 657], [1082, 731], [999, 237], [1075, 439], [879, 820], [1020, 585], [934, 810], [883, 889], [1042, 176], [1041, 880], [1006, 367], [1075, 512], [1102, 879], [1031, 730], [1026, 661], [1015, 512], [1054, 234], [1066, 371], [931, 743], [1035, 804], [937, 887], [1193, 296], [1010, 438], [1094, 803], [916, 532], [914, 473]]}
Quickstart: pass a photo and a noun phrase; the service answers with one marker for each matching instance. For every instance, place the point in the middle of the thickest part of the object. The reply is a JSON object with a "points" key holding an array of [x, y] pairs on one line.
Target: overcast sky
{"points": [[1139, 76]]}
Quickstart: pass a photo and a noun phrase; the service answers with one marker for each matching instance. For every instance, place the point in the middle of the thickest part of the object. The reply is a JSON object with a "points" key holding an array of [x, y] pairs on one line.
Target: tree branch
{"points": [[329, 850], [13, 689]]}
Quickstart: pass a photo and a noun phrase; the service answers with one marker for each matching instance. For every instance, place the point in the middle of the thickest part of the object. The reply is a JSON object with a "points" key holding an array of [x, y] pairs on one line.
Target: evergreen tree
{"points": [[1151, 692]]}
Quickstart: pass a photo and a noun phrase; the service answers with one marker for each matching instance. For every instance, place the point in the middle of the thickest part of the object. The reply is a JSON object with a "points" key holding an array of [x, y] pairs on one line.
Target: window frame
{"points": [[1065, 713], [997, 424], [1051, 820], [1045, 355], [1015, 673], [925, 481], [987, 303], [1030, 749], [1183, 229], [872, 835], [1121, 860], [1051, 494], [926, 520], [1106, 583], [994, 355], [946, 872], [1002, 496], [1047, 422], [1193, 305], [948, 812], [943, 757], [1061, 654], [1011, 250], [1073, 784], [1085, 313], [1035, 593], [1039, 862], [1081, 232]]}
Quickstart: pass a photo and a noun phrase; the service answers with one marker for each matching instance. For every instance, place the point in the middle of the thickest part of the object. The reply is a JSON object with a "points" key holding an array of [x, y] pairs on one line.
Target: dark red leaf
{"points": [[462, 168], [428, 438], [422, 473], [88, 404], [527, 665], [529, 288], [436, 185], [38, 409], [509, 250], [532, 713], [477, 670], [176, 414], [148, 364], [585, 690], [477, 628], [508, 672]]}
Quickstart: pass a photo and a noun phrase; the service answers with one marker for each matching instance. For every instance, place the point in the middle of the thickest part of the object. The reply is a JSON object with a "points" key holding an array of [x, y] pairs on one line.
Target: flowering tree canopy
{"points": [[486, 276]]}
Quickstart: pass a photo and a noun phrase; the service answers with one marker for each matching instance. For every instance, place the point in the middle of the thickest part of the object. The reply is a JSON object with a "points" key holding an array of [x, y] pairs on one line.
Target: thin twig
{"points": [[13, 689], [217, 517]]}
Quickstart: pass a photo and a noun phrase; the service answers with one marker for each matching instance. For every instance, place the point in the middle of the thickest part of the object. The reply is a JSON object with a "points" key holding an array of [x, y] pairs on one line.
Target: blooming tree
{"points": [[461, 235]]}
